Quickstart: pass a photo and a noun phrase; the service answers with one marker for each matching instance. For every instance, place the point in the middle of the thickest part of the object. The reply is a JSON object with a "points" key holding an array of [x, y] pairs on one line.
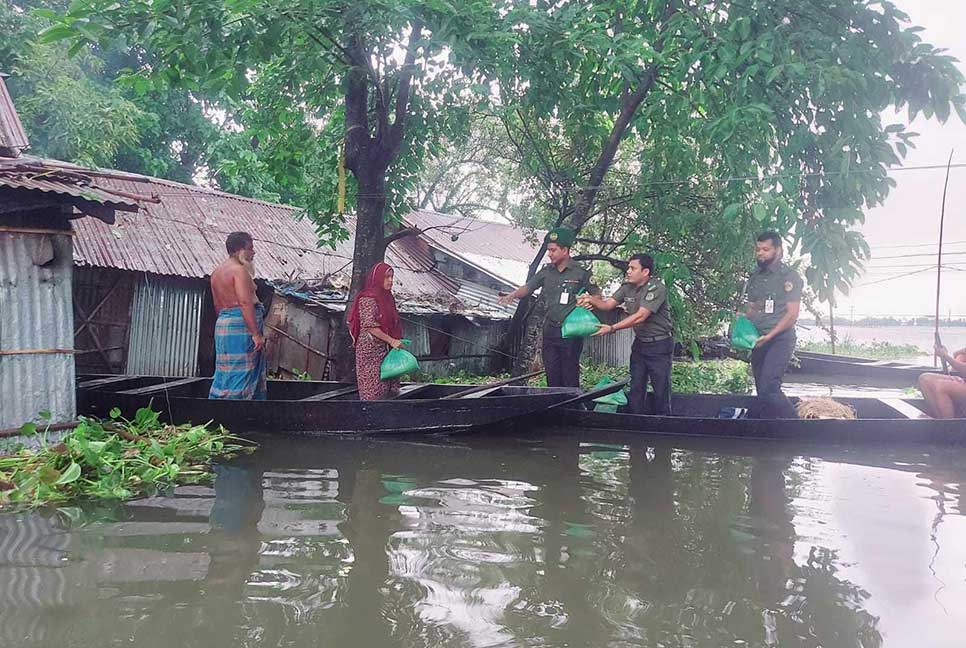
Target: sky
{"points": [[910, 215]]}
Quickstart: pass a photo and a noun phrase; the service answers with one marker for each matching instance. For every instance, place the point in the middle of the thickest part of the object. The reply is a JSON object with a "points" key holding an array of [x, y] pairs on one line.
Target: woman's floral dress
{"points": [[370, 351]]}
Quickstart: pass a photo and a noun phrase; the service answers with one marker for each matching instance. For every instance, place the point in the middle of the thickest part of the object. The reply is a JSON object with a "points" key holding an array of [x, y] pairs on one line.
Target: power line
{"points": [[909, 256], [916, 245], [897, 277], [891, 268]]}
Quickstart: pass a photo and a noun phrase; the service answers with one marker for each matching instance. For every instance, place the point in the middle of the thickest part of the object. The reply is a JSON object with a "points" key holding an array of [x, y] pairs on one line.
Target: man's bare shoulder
{"points": [[227, 269]]}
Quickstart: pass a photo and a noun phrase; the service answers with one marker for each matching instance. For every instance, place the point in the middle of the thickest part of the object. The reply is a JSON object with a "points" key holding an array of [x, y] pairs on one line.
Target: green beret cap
{"points": [[561, 236]]}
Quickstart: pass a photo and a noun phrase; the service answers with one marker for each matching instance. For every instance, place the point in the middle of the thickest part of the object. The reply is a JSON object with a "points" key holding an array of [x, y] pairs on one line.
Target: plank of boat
{"points": [[489, 387], [102, 382], [154, 389], [908, 410], [408, 391], [335, 393], [479, 394]]}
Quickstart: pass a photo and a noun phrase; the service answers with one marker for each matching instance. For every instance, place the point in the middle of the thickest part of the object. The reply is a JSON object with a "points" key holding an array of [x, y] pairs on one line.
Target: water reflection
{"points": [[568, 540]]}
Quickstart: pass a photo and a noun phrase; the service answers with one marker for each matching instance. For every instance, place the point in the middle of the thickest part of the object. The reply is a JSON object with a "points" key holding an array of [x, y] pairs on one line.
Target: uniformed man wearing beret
{"points": [[773, 297], [644, 298], [559, 281]]}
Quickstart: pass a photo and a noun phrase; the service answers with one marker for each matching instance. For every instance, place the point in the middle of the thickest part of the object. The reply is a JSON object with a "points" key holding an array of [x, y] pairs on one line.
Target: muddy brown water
{"points": [[535, 538]]}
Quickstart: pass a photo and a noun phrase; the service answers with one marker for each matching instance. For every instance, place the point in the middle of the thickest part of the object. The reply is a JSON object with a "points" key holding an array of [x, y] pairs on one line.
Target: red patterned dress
{"points": [[370, 351]]}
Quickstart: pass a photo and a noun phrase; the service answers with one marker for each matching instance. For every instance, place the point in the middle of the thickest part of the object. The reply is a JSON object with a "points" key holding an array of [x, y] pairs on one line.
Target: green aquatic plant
{"points": [[114, 459]]}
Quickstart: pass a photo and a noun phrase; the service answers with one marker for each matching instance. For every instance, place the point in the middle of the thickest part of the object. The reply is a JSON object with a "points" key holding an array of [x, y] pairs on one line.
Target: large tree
{"points": [[375, 82], [757, 113]]}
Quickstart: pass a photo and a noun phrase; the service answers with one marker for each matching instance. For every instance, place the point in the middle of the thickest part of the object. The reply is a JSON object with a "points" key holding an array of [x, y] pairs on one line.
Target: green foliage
{"points": [[300, 81], [878, 350], [676, 128], [89, 109], [460, 377], [114, 459], [707, 376], [752, 115]]}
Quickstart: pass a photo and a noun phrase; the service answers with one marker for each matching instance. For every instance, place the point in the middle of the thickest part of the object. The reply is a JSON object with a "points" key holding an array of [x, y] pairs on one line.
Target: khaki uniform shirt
{"points": [[768, 293], [653, 297], [559, 290]]}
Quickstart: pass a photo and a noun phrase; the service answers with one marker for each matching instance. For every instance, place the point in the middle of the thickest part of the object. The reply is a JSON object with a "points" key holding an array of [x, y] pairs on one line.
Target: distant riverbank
{"points": [[920, 337]]}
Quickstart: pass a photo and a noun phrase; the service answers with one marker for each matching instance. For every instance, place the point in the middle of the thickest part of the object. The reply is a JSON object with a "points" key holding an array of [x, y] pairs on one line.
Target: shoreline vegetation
{"points": [[875, 350], [113, 460]]}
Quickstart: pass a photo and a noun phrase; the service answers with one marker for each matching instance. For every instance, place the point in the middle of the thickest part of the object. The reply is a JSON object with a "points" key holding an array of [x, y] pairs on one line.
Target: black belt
{"points": [[654, 338]]}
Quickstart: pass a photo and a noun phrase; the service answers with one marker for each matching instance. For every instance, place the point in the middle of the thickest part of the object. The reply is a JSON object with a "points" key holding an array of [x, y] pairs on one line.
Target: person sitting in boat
{"points": [[375, 327], [945, 394], [644, 298], [239, 329], [773, 299]]}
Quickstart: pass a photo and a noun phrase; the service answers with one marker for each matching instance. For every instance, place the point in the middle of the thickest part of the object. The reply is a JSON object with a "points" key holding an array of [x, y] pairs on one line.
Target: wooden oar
{"points": [[592, 394], [501, 383]]}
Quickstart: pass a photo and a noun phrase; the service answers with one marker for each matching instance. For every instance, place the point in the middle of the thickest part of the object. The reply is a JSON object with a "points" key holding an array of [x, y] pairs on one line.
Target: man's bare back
{"points": [[231, 285]]}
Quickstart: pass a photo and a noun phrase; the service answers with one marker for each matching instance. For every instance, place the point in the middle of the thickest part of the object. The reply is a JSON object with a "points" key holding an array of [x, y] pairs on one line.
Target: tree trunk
{"points": [[522, 340], [527, 336], [369, 250]]}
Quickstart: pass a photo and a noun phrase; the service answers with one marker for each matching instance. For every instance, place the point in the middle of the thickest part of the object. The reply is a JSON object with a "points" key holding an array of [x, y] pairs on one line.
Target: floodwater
{"points": [[525, 539]]}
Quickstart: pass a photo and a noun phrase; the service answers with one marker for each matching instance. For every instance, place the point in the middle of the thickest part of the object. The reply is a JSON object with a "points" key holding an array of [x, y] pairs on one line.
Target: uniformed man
{"points": [[773, 298], [644, 298], [560, 281]]}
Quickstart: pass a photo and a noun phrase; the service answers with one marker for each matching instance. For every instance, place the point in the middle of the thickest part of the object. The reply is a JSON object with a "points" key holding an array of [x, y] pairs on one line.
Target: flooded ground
{"points": [[549, 538]]}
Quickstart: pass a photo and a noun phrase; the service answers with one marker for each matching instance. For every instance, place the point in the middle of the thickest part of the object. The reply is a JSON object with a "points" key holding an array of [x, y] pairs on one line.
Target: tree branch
{"points": [[620, 264], [404, 90]]}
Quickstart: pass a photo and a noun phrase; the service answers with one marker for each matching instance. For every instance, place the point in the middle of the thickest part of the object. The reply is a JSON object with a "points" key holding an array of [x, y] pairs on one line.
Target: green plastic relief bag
{"points": [[579, 323], [743, 333], [397, 362], [618, 398]]}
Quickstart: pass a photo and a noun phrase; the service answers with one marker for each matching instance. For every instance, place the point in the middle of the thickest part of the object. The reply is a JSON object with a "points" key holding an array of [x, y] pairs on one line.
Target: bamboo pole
{"points": [[939, 264]]}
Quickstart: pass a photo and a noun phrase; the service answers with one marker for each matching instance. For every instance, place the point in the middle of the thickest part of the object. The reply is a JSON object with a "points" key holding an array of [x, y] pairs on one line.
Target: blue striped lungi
{"points": [[239, 369]]}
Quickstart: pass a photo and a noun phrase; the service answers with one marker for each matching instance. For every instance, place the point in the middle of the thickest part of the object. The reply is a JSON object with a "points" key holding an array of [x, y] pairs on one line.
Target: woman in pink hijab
{"points": [[375, 328]]}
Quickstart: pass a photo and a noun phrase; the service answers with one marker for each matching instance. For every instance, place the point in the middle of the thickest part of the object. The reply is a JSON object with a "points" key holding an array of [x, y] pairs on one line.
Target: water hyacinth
{"points": [[114, 459]]}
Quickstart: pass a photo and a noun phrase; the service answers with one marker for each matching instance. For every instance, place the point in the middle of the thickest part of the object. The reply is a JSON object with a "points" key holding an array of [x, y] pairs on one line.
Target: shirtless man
{"points": [[943, 393], [239, 337]]}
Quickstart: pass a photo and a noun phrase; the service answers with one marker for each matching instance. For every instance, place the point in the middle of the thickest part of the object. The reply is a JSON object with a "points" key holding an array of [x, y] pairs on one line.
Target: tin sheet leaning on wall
{"points": [[165, 326], [36, 328]]}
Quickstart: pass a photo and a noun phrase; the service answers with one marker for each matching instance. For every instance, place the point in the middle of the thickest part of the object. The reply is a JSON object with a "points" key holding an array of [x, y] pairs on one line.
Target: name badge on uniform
{"points": [[565, 297], [769, 306]]}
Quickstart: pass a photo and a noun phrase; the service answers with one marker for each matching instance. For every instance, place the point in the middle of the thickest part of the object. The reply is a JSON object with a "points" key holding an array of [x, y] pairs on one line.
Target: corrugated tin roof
{"points": [[12, 135], [184, 235], [500, 250], [480, 301], [467, 299], [33, 174]]}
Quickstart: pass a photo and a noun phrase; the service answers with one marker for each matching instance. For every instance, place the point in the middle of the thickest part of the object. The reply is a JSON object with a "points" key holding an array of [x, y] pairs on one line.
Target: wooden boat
{"points": [[880, 420], [826, 364], [320, 407]]}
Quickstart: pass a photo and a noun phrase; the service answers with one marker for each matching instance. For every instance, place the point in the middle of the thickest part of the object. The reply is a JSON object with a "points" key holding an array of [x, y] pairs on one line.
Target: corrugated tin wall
{"points": [[613, 350], [165, 326], [35, 314], [473, 346]]}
